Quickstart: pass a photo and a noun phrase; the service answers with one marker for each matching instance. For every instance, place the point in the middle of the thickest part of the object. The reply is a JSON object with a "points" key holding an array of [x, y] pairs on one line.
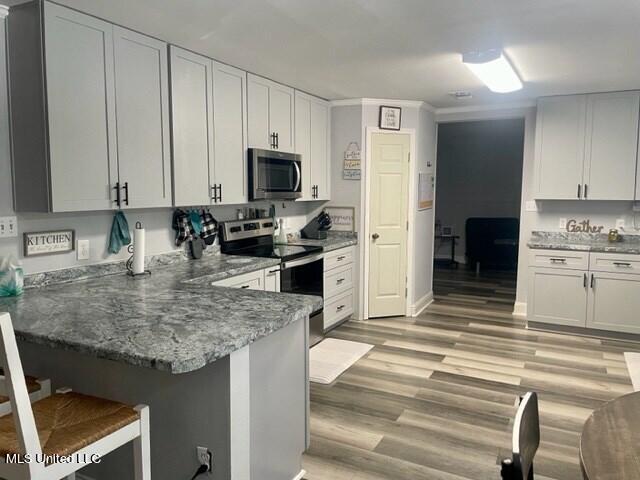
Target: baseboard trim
{"points": [[520, 310], [419, 307], [300, 476]]}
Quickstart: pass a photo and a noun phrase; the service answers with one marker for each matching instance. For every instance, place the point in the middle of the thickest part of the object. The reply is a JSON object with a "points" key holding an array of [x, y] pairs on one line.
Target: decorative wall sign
{"points": [[342, 218], [390, 117], [352, 162], [426, 184], [46, 243], [584, 227]]}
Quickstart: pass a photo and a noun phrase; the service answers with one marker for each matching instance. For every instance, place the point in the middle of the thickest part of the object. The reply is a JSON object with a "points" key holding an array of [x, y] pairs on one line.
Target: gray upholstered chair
{"points": [[526, 439]]}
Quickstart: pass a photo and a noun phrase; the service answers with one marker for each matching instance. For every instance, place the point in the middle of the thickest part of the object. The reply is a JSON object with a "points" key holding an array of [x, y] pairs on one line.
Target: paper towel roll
{"points": [[138, 249]]}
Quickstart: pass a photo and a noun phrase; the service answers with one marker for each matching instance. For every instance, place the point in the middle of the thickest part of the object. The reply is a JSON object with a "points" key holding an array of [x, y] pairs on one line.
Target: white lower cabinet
{"points": [[272, 279], [614, 302], [338, 286], [604, 294], [267, 279]]}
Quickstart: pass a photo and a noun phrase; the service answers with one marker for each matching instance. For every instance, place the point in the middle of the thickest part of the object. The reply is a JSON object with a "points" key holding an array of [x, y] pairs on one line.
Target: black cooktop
{"points": [[283, 252]]}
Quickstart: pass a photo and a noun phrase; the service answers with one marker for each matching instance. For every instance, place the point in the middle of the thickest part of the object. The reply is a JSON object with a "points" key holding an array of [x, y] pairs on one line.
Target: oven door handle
{"points": [[302, 261], [299, 176]]}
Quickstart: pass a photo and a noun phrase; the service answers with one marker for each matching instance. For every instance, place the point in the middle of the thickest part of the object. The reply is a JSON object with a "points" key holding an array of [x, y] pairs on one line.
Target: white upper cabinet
{"points": [[192, 127], [559, 154], [230, 129], [586, 146], [270, 114], [81, 109], [89, 113], [312, 143], [611, 146], [142, 116]]}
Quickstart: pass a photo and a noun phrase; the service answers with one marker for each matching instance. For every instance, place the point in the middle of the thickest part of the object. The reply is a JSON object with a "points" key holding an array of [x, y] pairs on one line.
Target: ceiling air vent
{"points": [[460, 94]]}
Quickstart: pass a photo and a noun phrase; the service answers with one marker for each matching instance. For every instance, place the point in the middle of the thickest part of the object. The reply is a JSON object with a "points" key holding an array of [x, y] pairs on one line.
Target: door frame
{"points": [[364, 280]]}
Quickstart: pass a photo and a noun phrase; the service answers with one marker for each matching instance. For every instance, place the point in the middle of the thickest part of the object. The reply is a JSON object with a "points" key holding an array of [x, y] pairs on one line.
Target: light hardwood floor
{"points": [[434, 399]]}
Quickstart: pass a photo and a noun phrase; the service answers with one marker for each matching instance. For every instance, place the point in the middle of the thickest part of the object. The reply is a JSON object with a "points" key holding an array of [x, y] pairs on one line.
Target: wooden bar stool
{"points": [[37, 388], [65, 424]]}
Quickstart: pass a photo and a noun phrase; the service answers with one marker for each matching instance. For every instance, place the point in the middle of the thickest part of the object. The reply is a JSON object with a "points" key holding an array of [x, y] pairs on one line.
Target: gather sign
{"points": [[43, 243], [584, 226]]}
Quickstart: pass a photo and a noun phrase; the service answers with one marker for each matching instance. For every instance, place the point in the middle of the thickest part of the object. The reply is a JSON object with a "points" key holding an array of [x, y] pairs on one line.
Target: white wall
{"points": [[548, 213], [95, 226], [479, 175]]}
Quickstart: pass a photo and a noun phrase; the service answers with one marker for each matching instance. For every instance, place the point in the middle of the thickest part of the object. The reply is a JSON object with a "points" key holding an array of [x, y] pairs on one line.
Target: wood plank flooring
{"points": [[434, 399], [492, 288]]}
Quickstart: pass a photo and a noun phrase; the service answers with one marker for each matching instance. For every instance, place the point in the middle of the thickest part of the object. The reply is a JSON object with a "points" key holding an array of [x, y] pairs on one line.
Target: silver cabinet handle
{"points": [[273, 271], [558, 260], [341, 257], [339, 281], [579, 190], [375, 236], [593, 280], [245, 286], [338, 309], [622, 264], [586, 190], [584, 281]]}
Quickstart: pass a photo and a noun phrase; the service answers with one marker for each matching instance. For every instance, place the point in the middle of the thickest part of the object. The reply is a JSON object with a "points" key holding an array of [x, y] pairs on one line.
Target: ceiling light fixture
{"points": [[494, 70]]}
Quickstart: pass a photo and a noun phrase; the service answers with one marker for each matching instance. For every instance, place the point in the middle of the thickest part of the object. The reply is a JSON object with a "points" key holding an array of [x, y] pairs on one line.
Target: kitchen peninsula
{"points": [[219, 367]]}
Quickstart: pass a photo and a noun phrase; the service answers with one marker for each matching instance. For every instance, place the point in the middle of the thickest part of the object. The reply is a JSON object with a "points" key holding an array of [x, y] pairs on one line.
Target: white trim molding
{"points": [[520, 310], [486, 108], [382, 101], [420, 306], [300, 475], [4, 11]]}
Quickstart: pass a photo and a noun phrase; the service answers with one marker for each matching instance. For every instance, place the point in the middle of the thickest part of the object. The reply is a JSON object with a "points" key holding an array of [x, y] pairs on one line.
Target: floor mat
{"points": [[331, 357]]}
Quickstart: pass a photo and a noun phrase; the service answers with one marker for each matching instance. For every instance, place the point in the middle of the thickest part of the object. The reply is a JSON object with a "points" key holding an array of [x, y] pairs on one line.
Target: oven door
{"points": [[306, 276], [274, 175]]}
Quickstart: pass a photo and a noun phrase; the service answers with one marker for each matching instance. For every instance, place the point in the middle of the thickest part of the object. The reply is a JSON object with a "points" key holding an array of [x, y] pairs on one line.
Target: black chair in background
{"points": [[526, 439]]}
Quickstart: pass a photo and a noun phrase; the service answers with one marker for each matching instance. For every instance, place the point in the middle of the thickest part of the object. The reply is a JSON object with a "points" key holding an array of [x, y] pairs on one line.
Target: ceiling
{"points": [[401, 49]]}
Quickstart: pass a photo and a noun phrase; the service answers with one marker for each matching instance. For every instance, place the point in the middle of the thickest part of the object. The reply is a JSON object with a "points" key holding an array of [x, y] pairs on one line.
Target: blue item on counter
{"points": [[11, 277], [196, 222]]}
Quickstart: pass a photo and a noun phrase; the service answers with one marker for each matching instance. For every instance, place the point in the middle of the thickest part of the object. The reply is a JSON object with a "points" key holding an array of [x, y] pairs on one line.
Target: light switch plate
{"points": [[8, 227], [562, 223], [84, 249], [531, 206]]}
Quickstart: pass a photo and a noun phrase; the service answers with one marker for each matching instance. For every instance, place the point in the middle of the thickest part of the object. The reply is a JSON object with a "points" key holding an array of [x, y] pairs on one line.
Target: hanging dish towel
{"points": [[209, 227], [183, 227], [120, 235], [196, 222]]}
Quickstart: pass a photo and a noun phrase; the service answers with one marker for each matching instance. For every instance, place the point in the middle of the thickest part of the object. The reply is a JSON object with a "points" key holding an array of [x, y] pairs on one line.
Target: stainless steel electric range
{"points": [[301, 267]]}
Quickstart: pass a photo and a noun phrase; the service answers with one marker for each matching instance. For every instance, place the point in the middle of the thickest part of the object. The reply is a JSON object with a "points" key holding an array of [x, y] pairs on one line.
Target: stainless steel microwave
{"points": [[274, 175]]}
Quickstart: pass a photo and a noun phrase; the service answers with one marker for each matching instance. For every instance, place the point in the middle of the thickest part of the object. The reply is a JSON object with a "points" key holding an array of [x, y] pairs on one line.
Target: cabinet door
{"points": [[303, 141], [557, 296], [614, 302], [81, 110], [230, 131], [320, 148], [281, 115], [560, 133], [142, 115], [272, 279], [192, 126], [258, 111], [611, 145]]}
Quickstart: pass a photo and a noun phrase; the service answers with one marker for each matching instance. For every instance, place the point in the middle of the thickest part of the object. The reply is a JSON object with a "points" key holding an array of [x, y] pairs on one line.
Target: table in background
{"points": [[454, 239]]}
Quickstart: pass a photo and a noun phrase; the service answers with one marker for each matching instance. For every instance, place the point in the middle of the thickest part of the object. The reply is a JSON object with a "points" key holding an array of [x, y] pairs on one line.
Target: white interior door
{"points": [[389, 181]]}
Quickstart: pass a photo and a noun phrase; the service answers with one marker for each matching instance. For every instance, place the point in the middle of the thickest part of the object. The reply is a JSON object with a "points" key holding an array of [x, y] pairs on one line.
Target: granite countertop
{"points": [[172, 320], [584, 242], [334, 241]]}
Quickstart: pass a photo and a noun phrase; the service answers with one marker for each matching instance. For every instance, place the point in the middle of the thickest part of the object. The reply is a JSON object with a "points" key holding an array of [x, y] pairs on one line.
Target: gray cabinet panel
{"points": [[192, 128], [319, 148], [230, 127], [81, 110], [303, 141], [142, 106], [281, 114], [258, 112]]}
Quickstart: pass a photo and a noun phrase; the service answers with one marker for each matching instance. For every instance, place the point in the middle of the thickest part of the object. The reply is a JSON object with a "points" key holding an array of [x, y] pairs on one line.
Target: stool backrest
{"points": [[526, 436], [17, 389]]}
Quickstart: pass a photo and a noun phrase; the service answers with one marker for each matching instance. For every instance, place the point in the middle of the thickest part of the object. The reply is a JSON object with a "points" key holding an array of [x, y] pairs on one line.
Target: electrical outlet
{"points": [[84, 249], [205, 457], [620, 224], [8, 227], [531, 206], [562, 223], [636, 207]]}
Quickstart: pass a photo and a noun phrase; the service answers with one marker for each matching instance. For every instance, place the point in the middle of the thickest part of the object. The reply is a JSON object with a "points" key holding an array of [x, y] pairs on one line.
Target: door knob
{"points": [[375, 236]]}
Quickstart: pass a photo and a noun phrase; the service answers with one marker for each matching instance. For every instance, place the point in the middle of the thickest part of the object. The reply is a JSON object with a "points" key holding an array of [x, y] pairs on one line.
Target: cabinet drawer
{"points": [[615, 263], [559, 259], [338, 280], [343, 256], [337, 309], [251, 281]]}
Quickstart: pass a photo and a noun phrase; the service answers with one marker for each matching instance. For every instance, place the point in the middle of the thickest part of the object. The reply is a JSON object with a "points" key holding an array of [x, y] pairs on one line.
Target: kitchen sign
{"points": [[583, 227], [46, 243], [352, 163]]}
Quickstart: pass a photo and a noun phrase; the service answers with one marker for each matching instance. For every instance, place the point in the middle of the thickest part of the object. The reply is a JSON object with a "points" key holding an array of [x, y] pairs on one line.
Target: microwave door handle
{"points": [[299, 175]]}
